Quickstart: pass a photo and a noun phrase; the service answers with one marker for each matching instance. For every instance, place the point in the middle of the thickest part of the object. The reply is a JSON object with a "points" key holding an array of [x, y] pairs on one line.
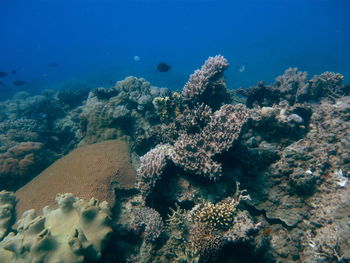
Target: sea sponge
{"points": [[90, 171], [74, 232]]}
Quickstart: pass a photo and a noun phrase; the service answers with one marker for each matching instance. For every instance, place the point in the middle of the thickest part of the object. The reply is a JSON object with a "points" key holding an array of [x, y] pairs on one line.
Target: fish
{"points": [[14, 71], [3, 74], [163, 67], [19, 82], [52, 65], [241, 68]]}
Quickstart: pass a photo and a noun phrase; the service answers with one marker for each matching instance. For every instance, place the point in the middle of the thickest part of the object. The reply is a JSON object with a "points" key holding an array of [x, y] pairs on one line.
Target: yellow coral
{"points": [[168, 107], [218, 215]]}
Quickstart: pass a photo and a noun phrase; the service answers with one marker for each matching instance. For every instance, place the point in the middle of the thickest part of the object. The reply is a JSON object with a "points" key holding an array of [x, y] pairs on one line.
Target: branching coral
{"points": [[192, 121], [295, 87], [150, 222], [151, 168], [218, 215], [216, 224], [207, 84], [195, 153]]}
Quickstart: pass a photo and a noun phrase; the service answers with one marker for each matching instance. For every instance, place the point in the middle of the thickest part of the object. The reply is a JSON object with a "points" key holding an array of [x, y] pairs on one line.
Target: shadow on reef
{"points": [[239, 253]]}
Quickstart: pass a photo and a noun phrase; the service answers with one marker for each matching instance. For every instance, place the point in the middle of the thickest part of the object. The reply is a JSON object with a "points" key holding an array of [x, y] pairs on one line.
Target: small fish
{"points": [[13, 71], [3, 74], [52, 65], [241, 68], [19, 82], [163, 67]]}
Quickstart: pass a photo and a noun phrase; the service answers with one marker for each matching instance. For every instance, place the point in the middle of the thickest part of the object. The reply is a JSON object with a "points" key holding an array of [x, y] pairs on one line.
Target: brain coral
{"points": [[75, 232], [87, 172]]}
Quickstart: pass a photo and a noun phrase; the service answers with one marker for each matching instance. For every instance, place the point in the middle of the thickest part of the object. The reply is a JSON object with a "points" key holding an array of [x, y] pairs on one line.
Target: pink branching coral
{"points": [[150, 222], [151, 168], [195, 153], [206, 81]]}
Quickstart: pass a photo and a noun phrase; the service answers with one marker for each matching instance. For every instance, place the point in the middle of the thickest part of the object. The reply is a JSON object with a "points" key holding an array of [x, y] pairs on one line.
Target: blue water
{"points": [[94, 42]]}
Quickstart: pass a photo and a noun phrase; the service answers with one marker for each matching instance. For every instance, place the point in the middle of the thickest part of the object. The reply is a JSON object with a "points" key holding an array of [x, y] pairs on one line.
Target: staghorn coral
{"points": [[207, 85], [7, 211], [74, 232], [149, 222]]}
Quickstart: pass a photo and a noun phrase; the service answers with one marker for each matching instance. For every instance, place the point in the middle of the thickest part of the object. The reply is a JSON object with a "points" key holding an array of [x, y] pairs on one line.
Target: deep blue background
{"points": [[95, 41]]}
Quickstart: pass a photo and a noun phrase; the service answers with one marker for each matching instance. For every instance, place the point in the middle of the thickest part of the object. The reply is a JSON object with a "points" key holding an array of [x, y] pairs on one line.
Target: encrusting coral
{"points": [[74, 232]]}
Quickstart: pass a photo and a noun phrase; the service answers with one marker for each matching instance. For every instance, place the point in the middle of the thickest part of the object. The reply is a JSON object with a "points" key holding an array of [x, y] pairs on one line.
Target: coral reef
{"points": [[95, 170], [74, 232], [287, 144], [34, 120], [119, 111], [21, 161], [295, 87]]}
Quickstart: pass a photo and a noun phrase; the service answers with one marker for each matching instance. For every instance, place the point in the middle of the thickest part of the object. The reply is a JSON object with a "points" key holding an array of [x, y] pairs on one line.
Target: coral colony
{"points": [[204, 174]]}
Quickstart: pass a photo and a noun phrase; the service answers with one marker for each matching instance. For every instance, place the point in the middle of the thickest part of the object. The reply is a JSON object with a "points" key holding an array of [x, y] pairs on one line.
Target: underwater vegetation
{"points": [[204, 174]]}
